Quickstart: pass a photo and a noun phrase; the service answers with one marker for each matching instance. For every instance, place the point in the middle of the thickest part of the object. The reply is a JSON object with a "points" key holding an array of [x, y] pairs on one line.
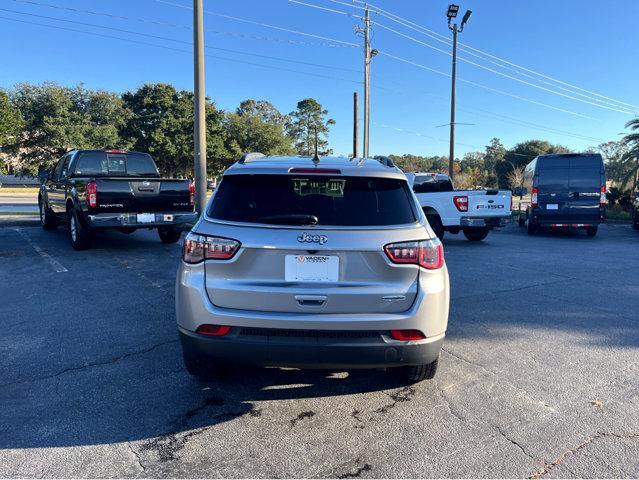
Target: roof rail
{"points": [[250, 156], [386, 161]]}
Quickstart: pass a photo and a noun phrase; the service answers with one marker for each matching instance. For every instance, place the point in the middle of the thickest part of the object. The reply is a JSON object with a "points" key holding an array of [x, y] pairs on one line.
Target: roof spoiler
{"points": [[386, 161], [250, 156]]}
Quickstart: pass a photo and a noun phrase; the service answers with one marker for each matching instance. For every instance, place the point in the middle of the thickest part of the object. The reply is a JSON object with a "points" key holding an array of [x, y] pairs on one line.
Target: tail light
{"points": [[426, 253], [534, 200], [213, 330], [461, 202], [407, 335], [198, 248], [191, 194], [92, 194], [602, 197]]}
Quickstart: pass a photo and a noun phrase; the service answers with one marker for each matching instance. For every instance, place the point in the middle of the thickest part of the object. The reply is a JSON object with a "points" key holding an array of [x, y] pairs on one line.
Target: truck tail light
{"points": [[213, 330], [602, 197], [92, 194], [407, 335], [198, 248], [461, 202], [191, 194], [426, 253], [534, 199]]}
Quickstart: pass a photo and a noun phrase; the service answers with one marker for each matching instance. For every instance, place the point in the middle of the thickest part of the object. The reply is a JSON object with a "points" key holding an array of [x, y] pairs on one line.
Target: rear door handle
{"points": [[311, 300]]}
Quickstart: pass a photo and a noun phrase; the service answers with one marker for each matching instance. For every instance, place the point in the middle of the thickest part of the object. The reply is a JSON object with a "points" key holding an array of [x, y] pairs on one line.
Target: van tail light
{"points": [[407, 335], [213, 330], [92, 194], [602, 197], [534, 199], [191, 194], [198, 248], [426, 253], [461, 202]]}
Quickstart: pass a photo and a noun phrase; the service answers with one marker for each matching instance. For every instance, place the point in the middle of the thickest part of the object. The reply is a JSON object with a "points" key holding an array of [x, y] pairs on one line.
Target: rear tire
{"points": [[168, 234], [47, 217], [436, 224], [196, 366], [418, 373], [475, 234], [635, 221], [592, 231], [531, 228], [521, 221], [79, 233]]}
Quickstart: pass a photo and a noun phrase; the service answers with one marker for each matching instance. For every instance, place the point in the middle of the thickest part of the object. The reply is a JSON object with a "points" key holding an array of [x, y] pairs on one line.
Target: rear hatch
{"points": [[488, 203], [130, 182], [569, 188], [312, 244]]}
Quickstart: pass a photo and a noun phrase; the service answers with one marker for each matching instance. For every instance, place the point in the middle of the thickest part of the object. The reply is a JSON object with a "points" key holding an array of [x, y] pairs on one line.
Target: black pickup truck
{"points": [[91, 190]]}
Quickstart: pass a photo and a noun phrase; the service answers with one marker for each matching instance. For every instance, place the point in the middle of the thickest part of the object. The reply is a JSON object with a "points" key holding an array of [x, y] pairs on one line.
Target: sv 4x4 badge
{"points": [[306, 238]]}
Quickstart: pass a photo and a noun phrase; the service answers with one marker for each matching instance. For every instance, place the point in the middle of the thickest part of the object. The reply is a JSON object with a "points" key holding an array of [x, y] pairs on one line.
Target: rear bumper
{"points": [[284, 348], [485, 222], [117, 220]]}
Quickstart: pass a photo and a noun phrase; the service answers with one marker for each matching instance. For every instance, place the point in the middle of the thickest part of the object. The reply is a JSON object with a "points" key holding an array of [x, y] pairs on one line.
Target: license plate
{"points": [[311, 268], [146, 217], [552, 206]]}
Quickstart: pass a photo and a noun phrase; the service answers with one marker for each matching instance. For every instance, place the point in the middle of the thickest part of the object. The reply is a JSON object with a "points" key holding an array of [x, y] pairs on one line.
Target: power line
{"points": [[485, 87], [184, 27], [464, 47], [261, 24], [182, 42], [625, 111], [321, 8], [139, 42]]}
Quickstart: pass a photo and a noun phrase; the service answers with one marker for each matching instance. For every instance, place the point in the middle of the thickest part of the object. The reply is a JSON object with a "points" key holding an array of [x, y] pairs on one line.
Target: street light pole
{"points": [[199, 130], [451, 151], [452, 13], [367, 78], [355, 124]]}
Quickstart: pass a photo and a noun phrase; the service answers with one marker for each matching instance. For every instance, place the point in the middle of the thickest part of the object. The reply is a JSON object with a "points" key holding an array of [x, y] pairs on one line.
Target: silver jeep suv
{"points": [[313, 263]]}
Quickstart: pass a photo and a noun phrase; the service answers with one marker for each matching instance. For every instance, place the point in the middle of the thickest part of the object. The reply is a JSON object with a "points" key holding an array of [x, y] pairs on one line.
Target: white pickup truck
{"points": [[474, 212]]}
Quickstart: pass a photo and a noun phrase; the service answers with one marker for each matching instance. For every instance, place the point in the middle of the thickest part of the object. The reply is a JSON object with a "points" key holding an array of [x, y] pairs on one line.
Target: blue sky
{"points": [[589, 44]]}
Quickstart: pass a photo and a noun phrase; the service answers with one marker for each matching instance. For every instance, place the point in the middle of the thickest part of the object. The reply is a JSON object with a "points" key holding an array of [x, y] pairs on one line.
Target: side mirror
{"points": [[517, 191], [43, 175], [524, 191]]}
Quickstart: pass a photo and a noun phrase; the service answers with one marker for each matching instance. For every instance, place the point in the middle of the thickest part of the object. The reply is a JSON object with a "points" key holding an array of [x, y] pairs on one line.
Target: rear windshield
{"points": [[429, 184], [116, 164], [313, 200]]}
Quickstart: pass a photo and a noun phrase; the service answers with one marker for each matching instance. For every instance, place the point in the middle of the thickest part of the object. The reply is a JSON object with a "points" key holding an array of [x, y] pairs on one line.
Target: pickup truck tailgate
{"points": [[488, 203], [141, 195]]}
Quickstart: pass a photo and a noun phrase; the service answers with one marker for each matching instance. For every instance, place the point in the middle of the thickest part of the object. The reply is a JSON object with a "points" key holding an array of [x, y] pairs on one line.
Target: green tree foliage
{"points": [[494, 153], [57, 119], [257, 126], [308, 118], [630, 158], [522, 154], [416, 163], [10, 127], [160, 122], [613, 155]]}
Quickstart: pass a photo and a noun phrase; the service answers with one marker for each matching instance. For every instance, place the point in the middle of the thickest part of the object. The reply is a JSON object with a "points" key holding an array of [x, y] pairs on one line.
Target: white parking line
{"points": [[57, 266]]}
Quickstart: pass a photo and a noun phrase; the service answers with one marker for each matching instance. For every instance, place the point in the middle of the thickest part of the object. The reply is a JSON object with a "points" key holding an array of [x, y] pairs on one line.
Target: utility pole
{"points": [[199, 100], [451, 151], [355, 123], [367, 78], [452, 13]]}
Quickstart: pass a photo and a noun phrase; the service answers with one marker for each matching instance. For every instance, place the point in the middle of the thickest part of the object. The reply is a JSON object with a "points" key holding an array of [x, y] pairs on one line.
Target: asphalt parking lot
{"points": [[538, 377]]}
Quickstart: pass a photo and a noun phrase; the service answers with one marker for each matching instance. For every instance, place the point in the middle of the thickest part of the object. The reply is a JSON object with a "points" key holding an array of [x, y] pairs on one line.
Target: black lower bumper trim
{"points": [[311, 351]]}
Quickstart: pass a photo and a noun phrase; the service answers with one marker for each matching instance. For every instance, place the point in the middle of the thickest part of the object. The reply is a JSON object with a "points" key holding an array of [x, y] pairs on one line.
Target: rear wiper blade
{"points": [[292, 219]]}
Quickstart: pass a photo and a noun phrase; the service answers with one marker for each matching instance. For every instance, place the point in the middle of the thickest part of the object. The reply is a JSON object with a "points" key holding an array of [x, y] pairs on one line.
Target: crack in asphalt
{"points": [[359, 470], [90, 365], [514, 442], [573, 451], [137, 456], [404, 394], [302, 416], [167, 445]]}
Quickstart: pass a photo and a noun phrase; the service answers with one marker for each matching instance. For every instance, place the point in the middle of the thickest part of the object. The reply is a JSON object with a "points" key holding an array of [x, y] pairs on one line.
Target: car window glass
{"points": [[291, 199], [58, 169], [65, 167], [430, 183]]}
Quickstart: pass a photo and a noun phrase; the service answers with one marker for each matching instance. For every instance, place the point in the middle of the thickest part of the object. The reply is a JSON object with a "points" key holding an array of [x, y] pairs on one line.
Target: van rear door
{"points": [[586, 180], [553, 183]]}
